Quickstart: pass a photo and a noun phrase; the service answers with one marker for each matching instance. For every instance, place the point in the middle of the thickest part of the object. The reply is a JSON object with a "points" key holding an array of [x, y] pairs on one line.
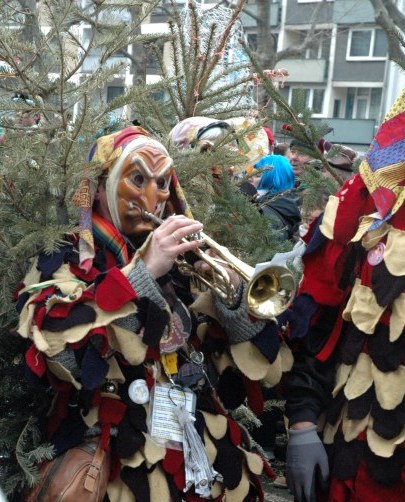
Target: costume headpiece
{"points": [[190, 131], [109, 152], [383, 169]]}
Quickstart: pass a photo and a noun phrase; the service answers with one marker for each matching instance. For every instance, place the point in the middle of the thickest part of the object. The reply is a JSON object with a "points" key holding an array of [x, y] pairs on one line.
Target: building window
{"points": [[310, 98], [363, 103], [366, 44], [113, 91]]}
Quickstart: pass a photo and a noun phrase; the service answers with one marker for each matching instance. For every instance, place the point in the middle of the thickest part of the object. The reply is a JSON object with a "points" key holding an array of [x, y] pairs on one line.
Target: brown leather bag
{"points": [[79, 475]]}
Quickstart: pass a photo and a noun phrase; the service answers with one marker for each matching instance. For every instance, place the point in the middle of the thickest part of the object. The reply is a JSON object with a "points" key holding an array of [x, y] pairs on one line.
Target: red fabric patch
{"points": [[323, 270], [61, 310], [153, 354], [35, 361], [256, 481], [384, 199], [391, 131], [354, 202], [267, 469], [20, 286], [110, 412], [39, 315], [235, 433], [88, 277], [114, 291], [59, 412], [179, 479], [254, 395], [128, 134], [363, 487], [44, 295], [173, 461], [216, 331]]}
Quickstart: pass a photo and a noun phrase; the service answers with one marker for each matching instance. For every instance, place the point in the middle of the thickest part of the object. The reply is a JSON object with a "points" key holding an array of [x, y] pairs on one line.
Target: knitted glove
{"points": [[306, 461]]}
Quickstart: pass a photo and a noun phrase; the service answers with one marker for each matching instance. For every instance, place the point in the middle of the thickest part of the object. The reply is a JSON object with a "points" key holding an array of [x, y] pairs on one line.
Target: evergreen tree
{"points": [[42, 163]]}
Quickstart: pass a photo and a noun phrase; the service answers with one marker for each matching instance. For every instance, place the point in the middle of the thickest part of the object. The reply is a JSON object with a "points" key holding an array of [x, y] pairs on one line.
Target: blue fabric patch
{"points": [[267, 341], [299, 316], [94, 368]]}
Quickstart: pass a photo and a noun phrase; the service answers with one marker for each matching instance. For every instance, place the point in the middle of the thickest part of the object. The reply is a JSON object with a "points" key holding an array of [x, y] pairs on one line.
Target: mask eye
{"points": [[162, 183], [138, 179]]}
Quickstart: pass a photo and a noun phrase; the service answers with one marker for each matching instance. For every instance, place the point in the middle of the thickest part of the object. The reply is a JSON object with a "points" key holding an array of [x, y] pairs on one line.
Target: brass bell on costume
{"points": [[270, 290]]}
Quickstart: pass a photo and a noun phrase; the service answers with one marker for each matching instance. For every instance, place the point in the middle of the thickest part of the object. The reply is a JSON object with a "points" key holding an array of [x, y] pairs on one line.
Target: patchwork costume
{"points": [[348, 323], [104, 335]]}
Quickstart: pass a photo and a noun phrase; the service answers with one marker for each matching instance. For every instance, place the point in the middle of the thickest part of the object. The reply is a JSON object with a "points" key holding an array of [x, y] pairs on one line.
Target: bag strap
{"points": [[94, 469]]}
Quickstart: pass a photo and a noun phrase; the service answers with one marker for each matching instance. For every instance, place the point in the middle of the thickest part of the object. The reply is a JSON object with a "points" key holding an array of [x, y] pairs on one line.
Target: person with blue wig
{"points": [[277, 179], [276, 196]]}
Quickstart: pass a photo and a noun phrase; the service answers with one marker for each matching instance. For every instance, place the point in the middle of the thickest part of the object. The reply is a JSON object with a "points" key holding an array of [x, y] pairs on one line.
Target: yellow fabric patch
{"points": [[329, 217], [26, 317], [118, 491], [342, 375], [394, 252], [352, 428], [114, 371], [216, 424], [287, 358], [250, 360], [360, 378], [33, 275], [152, 451], [217, 489], [204, 305], [159, 489], [39, 340], [389, 386], [134, 460], [380, 446], [254, 462], [129, 344], [397, 319], [362, 308], [240, 492], [274, 373], [66, 282], [57, 340], [374, 237]]}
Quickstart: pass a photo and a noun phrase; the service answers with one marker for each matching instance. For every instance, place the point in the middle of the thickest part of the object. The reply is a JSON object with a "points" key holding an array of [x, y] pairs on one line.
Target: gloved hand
{"points": [[306, 460]]}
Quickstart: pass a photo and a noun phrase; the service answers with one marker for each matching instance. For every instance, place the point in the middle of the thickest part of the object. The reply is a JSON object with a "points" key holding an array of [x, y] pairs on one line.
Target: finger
{"points": [[184, 247], [310, 490]]}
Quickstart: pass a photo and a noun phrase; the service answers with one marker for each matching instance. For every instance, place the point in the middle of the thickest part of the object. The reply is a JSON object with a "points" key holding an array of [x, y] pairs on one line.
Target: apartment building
{"points": [[347, 78]]}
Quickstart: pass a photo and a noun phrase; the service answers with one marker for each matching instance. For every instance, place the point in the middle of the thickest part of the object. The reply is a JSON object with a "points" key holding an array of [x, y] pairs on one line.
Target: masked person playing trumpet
{"points": [[131, 355]]}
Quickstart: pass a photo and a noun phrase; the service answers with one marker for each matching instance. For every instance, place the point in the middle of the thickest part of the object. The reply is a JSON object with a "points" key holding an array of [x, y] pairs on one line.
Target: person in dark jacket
{"points": [[276, 196]]}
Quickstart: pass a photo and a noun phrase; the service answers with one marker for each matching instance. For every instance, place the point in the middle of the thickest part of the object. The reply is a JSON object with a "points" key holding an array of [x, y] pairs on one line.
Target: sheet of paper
{"points": [[164, 424]]}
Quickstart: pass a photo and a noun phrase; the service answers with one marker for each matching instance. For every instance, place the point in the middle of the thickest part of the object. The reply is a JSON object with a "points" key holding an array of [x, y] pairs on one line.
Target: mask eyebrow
{"points": [[143, 166]]}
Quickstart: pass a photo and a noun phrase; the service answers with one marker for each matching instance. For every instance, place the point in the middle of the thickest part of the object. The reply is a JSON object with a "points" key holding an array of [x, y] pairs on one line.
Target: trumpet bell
{"points": [[270, 292]]}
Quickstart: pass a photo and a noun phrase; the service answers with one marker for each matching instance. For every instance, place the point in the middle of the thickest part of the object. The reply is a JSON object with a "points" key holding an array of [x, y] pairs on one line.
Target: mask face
{"points": [[143, 186]]}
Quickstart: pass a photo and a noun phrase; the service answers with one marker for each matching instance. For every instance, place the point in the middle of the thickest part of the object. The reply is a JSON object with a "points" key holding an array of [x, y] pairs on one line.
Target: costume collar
{"points": [[105, 232]]}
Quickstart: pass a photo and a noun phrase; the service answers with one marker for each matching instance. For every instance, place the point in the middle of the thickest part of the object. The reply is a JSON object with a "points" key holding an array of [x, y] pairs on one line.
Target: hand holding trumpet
{"points": [[167, 243]]}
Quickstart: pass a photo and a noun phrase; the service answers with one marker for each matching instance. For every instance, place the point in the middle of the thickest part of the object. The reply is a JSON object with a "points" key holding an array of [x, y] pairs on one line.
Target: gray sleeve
{"points": [[145, 286], [235, 318]]}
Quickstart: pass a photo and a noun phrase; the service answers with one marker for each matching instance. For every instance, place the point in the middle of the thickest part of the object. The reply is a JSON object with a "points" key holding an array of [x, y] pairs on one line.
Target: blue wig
{"points": [[277, 179]]}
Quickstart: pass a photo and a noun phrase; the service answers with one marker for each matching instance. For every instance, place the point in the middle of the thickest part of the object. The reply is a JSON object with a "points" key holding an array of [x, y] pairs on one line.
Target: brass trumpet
{"points": [[269, 290]]}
